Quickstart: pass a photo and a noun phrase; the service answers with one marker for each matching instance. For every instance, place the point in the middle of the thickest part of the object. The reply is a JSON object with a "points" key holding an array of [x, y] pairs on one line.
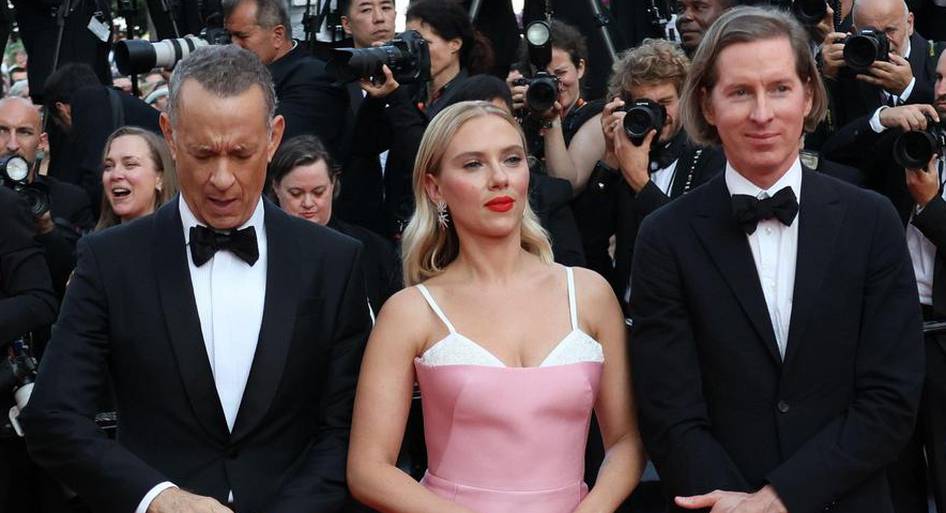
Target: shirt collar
{"points": [[906, 53], [738, 184], [189, 220]]}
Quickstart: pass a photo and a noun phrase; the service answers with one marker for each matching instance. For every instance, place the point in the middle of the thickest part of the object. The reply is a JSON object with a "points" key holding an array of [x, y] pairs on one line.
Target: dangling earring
{"points": [[443, 217]]}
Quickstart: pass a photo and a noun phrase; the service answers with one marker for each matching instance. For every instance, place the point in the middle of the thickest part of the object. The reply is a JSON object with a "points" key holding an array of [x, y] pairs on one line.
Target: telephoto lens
{"points": [[542, 92], [914, 149], [865, 47], [642, 117], [407, 56], [809, 12]]}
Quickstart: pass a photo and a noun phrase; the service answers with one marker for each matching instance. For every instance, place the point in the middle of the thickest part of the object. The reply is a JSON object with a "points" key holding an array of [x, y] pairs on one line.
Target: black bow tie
{"points": [[749, 210], [205, 242]]}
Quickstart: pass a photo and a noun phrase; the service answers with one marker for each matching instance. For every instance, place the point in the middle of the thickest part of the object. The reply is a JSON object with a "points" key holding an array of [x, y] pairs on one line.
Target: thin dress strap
{"points": [[572, 307], [433, 306]]}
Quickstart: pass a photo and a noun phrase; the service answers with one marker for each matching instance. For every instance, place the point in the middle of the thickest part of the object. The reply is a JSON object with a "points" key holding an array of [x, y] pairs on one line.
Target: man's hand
{"points": [[45, 224], [824, 27], [383, 89], [633, 159], [923, 184], [518, 91], [908, 117], [175, 500], [832, 54], [763, 501], [893, 76], [609, 121]]}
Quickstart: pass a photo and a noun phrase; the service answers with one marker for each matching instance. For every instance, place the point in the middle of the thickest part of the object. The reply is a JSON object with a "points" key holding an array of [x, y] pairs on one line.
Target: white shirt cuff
{"points": [[906, 92], [146, 501], [875, 121]]}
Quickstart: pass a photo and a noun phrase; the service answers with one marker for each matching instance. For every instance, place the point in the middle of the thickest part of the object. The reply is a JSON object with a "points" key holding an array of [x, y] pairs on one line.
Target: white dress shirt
{"points": [[897, 99], [923, 252], [230, 295], [774, 249]]}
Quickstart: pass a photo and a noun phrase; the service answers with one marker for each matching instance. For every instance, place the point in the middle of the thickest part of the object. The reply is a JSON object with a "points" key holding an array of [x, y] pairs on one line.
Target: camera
{"points": [[865, 47], [643, 116], [14, 173], [140, 56], [406, 55], [809, 12], [23, 367], [543, 86], [914, 149]]}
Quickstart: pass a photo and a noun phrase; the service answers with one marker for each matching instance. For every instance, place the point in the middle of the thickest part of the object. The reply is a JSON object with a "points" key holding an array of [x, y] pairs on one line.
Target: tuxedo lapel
{"points": [[279, 311], [819, 216], [183, 323], [729, 249]]}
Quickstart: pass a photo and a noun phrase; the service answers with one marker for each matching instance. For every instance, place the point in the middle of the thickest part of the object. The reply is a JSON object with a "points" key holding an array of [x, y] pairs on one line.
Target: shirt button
{"points": [[768, 230], [783, 407]]}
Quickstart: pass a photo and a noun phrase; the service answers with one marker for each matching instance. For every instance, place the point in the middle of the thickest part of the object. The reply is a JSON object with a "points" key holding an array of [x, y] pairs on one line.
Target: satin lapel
{"points": [[279, 313], [728, 246], [820, 216], [183, 322]]}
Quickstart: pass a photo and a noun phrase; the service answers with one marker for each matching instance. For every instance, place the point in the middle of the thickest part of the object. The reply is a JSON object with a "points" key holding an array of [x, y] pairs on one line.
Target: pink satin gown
{"points": [[508, 439]]}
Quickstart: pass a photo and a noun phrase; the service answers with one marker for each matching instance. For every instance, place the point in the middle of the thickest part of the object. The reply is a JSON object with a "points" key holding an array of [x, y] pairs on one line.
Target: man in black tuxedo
{"points": [[776, 341], [906, 78], [231, 332], [308, 100], [661, 167], [88, 112]]}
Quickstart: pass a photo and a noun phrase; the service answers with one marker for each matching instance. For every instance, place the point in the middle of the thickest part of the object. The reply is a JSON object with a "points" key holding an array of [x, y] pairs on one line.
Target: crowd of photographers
{"points": [[354, 122]]}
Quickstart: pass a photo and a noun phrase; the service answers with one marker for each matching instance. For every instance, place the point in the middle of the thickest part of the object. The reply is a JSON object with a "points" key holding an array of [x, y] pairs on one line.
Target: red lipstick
{"points": [[500, 204]]}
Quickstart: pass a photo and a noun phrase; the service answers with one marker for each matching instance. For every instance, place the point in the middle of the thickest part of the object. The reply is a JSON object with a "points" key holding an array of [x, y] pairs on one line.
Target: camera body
{"points": [[23, 367], [641, 117], [865, 47], [14, 174], [543, 90], [407, 55], [914, 149]]}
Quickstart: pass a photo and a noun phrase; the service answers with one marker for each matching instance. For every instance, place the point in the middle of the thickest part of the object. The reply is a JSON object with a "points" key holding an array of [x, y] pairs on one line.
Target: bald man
{"points": [[70, 213], [907, 76]]}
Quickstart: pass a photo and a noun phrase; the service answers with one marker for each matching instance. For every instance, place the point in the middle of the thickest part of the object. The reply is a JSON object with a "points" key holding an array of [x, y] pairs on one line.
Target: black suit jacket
{"points": [[852, 98], [129, 315], [695, 167], [27, 301], [308, 99], [719, 408], [932, 223]]}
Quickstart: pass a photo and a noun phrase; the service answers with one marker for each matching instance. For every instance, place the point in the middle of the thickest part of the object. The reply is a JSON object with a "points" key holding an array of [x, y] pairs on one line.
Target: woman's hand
{"points": [[518, 91]]}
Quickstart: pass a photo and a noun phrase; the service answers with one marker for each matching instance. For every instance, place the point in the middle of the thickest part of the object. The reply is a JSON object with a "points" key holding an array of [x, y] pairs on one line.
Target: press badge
{"points": [[100, 29]]}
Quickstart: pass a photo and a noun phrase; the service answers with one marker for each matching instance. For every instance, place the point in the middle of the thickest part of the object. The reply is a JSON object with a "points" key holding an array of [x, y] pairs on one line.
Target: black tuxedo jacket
{"points": [[932, 223], [129, 316], [695, 167], [719, 408], [852, 98], [308, 99]]}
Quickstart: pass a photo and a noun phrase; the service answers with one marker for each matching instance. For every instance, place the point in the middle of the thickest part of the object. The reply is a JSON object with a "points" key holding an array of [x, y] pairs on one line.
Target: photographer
{"points": [[89, 112], [306, 96], [695, 17], [67, 213], [361, 200], [456, 51], [904, 75], [27, 302], [664, 164]]}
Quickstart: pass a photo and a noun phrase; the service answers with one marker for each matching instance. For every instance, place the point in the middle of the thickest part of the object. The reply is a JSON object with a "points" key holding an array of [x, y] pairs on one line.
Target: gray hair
{"points": [[745, 25], [225, 71], [269, 13]]}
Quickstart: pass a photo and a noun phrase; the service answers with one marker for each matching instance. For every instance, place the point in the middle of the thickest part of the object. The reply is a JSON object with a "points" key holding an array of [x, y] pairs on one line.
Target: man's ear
{"points": [[279, 35], [275, 136], [44, 141], [707, 107], [167, 130], [346, 25]]}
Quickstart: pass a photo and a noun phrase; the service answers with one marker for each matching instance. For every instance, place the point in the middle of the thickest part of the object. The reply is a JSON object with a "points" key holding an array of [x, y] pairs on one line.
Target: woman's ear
{"points": [[581, 68], [432, 186]]}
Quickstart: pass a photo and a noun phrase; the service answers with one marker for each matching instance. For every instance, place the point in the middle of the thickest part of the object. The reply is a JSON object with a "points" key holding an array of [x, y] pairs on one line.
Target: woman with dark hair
{"points": [[137, 176], [304, 181]]}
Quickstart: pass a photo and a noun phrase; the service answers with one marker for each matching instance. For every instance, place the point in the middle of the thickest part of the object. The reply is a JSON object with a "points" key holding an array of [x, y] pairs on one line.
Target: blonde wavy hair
{"points": [[426, 249]]}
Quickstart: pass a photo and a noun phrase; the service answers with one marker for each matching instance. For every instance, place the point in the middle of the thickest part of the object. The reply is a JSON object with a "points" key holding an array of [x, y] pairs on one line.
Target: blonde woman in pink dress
{"points": [[511, 351]]}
